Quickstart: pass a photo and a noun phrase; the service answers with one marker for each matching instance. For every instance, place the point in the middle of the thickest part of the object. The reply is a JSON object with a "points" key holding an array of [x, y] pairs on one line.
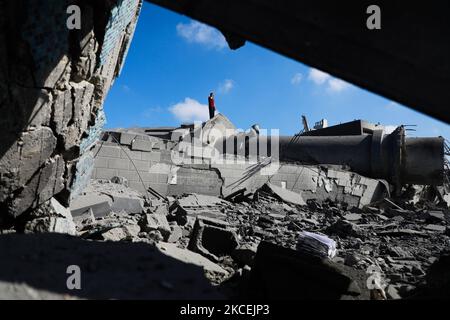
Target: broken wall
{"points": [[149, 162], [53, 82]]}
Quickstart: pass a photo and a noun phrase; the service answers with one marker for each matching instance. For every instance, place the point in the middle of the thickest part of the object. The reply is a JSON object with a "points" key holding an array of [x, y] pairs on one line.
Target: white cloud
{"points": [[337, 85], [334, 85], [392, 105], [226, 86], [389, 129], [297, 78], [196, 32], [190, 110], [318, 77]]}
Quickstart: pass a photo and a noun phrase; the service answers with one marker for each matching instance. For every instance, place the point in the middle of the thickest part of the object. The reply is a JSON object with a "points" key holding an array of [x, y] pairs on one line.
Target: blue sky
{"points": [[174, 63]]}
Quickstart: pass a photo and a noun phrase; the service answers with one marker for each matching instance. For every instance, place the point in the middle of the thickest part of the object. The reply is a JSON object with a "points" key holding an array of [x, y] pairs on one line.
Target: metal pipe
{"points": [[393, 157]]}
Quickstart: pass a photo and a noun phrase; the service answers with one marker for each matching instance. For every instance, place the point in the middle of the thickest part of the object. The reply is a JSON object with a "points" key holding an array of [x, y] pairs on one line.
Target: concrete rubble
{"points": [[197, 211], [53, 82], [262, 244], [51, 217], [191, 159], [251, 234]]}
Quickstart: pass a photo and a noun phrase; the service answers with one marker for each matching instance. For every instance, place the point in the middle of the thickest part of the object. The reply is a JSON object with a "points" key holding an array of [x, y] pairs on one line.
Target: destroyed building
{"points": [[201, 211], [214, 159]]}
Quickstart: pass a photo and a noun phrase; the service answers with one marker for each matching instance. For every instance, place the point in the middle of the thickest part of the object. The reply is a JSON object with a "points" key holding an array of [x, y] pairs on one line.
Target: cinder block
{"points": [[176, 190], [101, 162], [130, 175], [168, 145], [149, 177], [159, 145], [122, 164], [127, 154], [102, 173], [127, 138], [142, 145], [141, 165], [154, 156], [161, 188], [138, 187], [166, 157], [109, 152], [162, 178]]}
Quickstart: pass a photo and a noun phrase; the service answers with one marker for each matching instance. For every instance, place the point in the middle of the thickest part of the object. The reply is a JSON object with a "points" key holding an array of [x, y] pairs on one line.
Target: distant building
{"points": [[322, 124]]}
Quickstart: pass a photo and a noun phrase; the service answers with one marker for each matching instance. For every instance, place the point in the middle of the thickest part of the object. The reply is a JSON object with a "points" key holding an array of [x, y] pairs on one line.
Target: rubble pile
{"points": [[235, 241]]}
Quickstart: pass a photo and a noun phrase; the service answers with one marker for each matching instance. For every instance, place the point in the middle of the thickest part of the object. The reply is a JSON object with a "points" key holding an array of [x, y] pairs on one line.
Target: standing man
{"points": [[211, 105]]}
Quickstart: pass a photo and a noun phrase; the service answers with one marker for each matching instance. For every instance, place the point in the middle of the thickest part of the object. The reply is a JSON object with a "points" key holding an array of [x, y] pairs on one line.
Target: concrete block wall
{"points": [[155, 169], [193, 180], [152, 168], [138, 167]]}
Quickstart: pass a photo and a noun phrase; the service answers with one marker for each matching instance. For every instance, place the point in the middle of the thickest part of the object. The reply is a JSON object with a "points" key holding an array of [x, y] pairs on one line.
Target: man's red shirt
{"points": [[211, 103]]}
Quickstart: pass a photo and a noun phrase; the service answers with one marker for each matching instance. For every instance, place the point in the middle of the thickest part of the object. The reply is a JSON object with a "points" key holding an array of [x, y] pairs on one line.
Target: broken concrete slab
{"points": [[352, 217], [84, 220], [128, 232], [142, 145], [99, 204], [190, 257], [212, 238], [345, 229], [397, 251], [52, 225], [435, 216], [199, 200], [157, 222], [284, 195], [435, 228], [114, 234], [54, 219], [175, 235], [194, 205], [104, 197], [128, 204]]}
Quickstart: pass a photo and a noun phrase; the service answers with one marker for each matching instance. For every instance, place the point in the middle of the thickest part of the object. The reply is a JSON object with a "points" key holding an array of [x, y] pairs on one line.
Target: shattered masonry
{"points": [[161, 159], [52, 86], [165, 219]]}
